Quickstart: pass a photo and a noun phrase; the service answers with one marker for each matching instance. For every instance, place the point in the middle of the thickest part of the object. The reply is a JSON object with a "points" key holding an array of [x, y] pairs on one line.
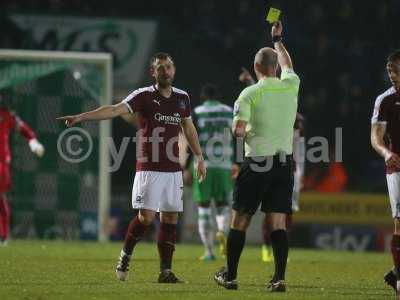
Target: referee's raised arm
{"points": [[284, 59], [264, 115]]}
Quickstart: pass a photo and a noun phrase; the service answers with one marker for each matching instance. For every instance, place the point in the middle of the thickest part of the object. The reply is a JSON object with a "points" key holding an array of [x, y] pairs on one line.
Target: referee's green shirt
{"points": [[269, 107]]}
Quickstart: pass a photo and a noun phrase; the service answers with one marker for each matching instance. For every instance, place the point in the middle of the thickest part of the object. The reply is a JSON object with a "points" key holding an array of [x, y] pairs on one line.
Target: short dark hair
{"points": [[210, 91], [160, 55], [267, 57], [394, 56]]}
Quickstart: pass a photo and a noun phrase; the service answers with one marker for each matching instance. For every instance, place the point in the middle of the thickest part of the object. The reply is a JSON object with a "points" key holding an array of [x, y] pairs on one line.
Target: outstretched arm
{"points": [[377, 133], [130, 119], [104, 112], [284, 59]]}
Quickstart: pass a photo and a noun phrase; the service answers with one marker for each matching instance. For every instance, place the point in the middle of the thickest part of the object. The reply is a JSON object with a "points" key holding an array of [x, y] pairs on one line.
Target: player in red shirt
{"points": [[386, 125], [8, 122], [161, 112]]}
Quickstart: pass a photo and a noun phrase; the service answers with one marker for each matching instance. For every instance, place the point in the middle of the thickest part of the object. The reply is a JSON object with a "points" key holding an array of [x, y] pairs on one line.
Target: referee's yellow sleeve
{"points": [[241, 111], [290, 78]]}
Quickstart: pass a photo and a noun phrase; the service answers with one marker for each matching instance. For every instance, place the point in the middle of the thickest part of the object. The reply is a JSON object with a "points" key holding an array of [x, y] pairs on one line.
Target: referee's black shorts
{"points": [[267, 181]]}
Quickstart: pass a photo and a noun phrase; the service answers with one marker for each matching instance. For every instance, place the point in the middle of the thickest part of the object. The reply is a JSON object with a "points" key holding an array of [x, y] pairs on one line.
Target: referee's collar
{"points": [[264, 79]]}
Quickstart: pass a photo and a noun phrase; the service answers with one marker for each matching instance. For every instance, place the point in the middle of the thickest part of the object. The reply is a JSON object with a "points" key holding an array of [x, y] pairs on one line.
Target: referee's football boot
{"points": [[123, 266], [276, 286], [220, 279]]}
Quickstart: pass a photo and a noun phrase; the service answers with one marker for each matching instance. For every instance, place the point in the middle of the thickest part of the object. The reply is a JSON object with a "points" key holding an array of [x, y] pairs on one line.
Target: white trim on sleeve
{"points": [[377, 105], [127, 105]]}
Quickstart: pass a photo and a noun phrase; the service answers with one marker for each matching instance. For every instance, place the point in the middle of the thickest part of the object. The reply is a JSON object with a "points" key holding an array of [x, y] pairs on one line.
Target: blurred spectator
{"points": [[327, 177]]}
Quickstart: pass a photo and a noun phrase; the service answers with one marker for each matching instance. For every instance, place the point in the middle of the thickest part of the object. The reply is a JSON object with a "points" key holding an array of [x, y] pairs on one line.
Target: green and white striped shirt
{"points": [[213, 120]]}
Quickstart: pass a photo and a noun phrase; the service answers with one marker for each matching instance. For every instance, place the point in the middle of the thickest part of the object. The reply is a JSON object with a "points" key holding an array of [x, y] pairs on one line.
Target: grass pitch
{"points": [[40, 270]]}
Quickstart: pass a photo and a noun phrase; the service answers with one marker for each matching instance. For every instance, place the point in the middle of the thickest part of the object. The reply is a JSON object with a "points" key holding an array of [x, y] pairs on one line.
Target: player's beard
{"points": [[164, 82]]}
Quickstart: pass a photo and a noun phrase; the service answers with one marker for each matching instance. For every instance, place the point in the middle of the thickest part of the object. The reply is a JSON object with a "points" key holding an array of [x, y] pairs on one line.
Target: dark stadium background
{"points": [[338, 48]]}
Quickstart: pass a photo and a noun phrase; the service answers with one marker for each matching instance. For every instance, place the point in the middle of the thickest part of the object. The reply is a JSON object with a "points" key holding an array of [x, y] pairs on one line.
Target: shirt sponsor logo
{"points": [[175, 119]]}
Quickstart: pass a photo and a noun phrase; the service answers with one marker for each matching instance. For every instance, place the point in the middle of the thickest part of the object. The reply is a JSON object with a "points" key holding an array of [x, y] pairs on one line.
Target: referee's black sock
{"points": [[280, 247], [235, 244]]}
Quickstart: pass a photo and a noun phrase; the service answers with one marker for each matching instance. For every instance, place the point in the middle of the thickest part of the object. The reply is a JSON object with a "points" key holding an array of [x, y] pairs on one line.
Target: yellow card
{"points": [[273, 15]]}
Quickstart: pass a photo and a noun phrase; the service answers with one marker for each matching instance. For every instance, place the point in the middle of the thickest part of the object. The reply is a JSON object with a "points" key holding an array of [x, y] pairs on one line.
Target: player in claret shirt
{"points": [[386, 123], [8, 122], [161, 111]]}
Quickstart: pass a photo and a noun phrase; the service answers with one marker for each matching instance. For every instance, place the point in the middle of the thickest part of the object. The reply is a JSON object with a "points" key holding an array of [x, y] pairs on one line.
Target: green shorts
{"points": [[217, 186]]}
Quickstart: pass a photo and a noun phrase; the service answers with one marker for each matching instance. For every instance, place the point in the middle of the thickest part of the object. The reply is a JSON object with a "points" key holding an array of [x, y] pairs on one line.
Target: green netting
{"points": [[50, 197]]}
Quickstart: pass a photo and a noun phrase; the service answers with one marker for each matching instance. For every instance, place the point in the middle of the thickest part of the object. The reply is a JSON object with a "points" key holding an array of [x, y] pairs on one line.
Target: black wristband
{"points": [[276, 38]]}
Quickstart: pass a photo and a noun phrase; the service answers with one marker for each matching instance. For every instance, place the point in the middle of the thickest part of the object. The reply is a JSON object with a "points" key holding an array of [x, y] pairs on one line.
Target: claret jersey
{"points": [[159, 120]]}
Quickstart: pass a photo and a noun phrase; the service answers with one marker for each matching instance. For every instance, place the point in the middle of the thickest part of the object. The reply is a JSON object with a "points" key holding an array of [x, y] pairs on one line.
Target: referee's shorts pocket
{"points": [[246, 193]]}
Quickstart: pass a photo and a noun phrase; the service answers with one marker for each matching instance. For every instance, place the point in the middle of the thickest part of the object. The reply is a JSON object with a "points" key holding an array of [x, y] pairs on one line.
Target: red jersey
{"points": [[387, 111], [159, 120], [9, 121]]}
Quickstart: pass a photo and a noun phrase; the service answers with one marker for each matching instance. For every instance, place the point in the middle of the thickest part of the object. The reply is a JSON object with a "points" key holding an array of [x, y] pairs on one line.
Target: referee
{"points": [[264, 116]]}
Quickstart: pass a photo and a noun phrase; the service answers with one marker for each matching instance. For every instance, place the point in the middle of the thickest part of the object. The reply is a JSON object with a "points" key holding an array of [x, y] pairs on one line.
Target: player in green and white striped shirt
{"points": [[213, 120]]}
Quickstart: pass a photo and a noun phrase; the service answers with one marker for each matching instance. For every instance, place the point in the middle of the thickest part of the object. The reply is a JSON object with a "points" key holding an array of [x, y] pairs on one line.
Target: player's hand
{"points": [[393, 161], [201, 170], [235, 171], [277, 29], [187, 177], [71, 120], [246, 77], [36, 147]]}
